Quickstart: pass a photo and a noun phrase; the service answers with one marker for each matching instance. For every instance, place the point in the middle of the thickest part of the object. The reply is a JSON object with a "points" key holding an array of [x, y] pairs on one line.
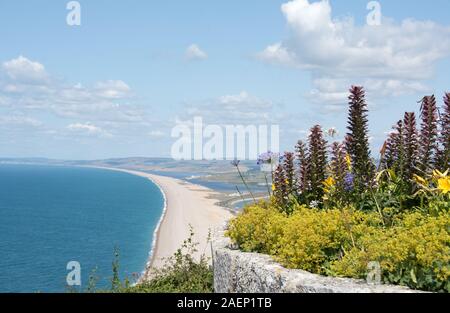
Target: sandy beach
{"points": [[186, 204]]}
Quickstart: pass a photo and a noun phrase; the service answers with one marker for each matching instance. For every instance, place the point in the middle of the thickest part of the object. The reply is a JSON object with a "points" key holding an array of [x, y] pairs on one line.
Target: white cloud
{"points": [[391, 59], [242, 108], [112, 89], [193, 52], [23, 70], [19, 120], [88, 129], [156, 134], [27, 85], [276, 53]]}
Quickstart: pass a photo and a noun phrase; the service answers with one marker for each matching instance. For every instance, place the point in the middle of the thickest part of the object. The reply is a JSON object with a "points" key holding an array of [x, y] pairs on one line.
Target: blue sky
{"points": [[117, 84]]}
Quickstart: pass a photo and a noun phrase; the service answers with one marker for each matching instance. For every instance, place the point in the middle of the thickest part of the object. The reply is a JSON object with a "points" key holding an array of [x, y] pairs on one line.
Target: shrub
{"points": [[413, 251], [258, 228], [344, 214], [181, 273], [310, 238]]}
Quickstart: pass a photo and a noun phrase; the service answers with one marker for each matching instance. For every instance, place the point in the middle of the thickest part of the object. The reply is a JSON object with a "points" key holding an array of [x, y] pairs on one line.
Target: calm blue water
{"points": [[52, 215]]}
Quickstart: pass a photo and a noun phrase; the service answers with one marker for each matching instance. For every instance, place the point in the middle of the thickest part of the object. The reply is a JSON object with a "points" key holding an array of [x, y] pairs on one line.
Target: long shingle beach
{"points": [[186, 204]]}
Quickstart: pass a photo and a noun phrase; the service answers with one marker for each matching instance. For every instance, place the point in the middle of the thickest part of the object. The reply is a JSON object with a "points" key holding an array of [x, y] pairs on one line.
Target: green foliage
{"points": [[115, 280], [349, 178], [254, 235], [413, 250], [92, 281], [344, 214], [181, 273]]}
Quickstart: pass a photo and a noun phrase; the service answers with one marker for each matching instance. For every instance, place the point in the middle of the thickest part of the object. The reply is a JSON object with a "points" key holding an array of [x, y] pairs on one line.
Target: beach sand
{"points": [[186, 204]]}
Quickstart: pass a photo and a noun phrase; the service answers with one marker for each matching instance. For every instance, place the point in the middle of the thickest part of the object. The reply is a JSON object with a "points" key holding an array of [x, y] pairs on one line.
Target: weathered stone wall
{"points": [[236, 271]]}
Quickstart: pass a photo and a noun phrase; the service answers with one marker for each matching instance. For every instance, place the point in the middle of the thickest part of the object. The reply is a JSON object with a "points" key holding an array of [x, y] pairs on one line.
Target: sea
{"points": [[58, 224]]}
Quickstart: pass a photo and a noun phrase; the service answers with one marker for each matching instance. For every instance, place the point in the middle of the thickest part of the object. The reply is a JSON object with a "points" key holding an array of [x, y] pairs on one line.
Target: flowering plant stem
{"points": [[267, 184], [245, 183], [240, 193], [377, 205]]}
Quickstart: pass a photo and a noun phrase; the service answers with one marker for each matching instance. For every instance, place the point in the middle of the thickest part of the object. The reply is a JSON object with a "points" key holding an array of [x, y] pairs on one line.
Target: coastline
{"points": [[185, 204]]}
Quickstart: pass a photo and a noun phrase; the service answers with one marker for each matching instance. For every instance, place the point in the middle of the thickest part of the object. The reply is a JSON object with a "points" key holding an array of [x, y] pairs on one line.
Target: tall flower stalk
{"points": [[338, 166], [428, 134], [303, 181], [280, 191], [357, 140], [391, 149], [443, 160], [289, 171], [317, 161], [399, 162], [411, 145]]}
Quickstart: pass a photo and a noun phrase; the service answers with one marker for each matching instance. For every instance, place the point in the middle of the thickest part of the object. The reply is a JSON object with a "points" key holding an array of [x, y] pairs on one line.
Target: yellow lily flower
{"points": [[444, 185]]}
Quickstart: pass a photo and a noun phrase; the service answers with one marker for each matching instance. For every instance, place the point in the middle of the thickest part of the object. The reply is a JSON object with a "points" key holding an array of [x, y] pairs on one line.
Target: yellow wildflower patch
{"points": [[330, 182], [444, 185], [343, 241]]}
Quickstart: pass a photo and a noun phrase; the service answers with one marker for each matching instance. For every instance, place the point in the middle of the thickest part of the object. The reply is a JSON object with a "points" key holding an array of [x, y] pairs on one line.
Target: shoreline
{"points": [[185, 204]]}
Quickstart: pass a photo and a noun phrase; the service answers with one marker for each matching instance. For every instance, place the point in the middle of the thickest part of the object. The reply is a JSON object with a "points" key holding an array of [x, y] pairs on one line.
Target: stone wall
{"points": [[236, 271]]}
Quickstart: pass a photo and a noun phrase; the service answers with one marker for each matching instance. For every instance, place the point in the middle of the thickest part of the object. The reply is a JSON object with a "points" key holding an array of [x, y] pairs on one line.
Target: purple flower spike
{"points": [[349, 182]]}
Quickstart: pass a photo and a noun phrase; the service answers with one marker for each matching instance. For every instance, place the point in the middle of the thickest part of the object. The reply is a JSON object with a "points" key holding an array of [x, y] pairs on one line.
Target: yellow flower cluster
{"points": [[329, 183], [342, 242], [444, 185]]}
